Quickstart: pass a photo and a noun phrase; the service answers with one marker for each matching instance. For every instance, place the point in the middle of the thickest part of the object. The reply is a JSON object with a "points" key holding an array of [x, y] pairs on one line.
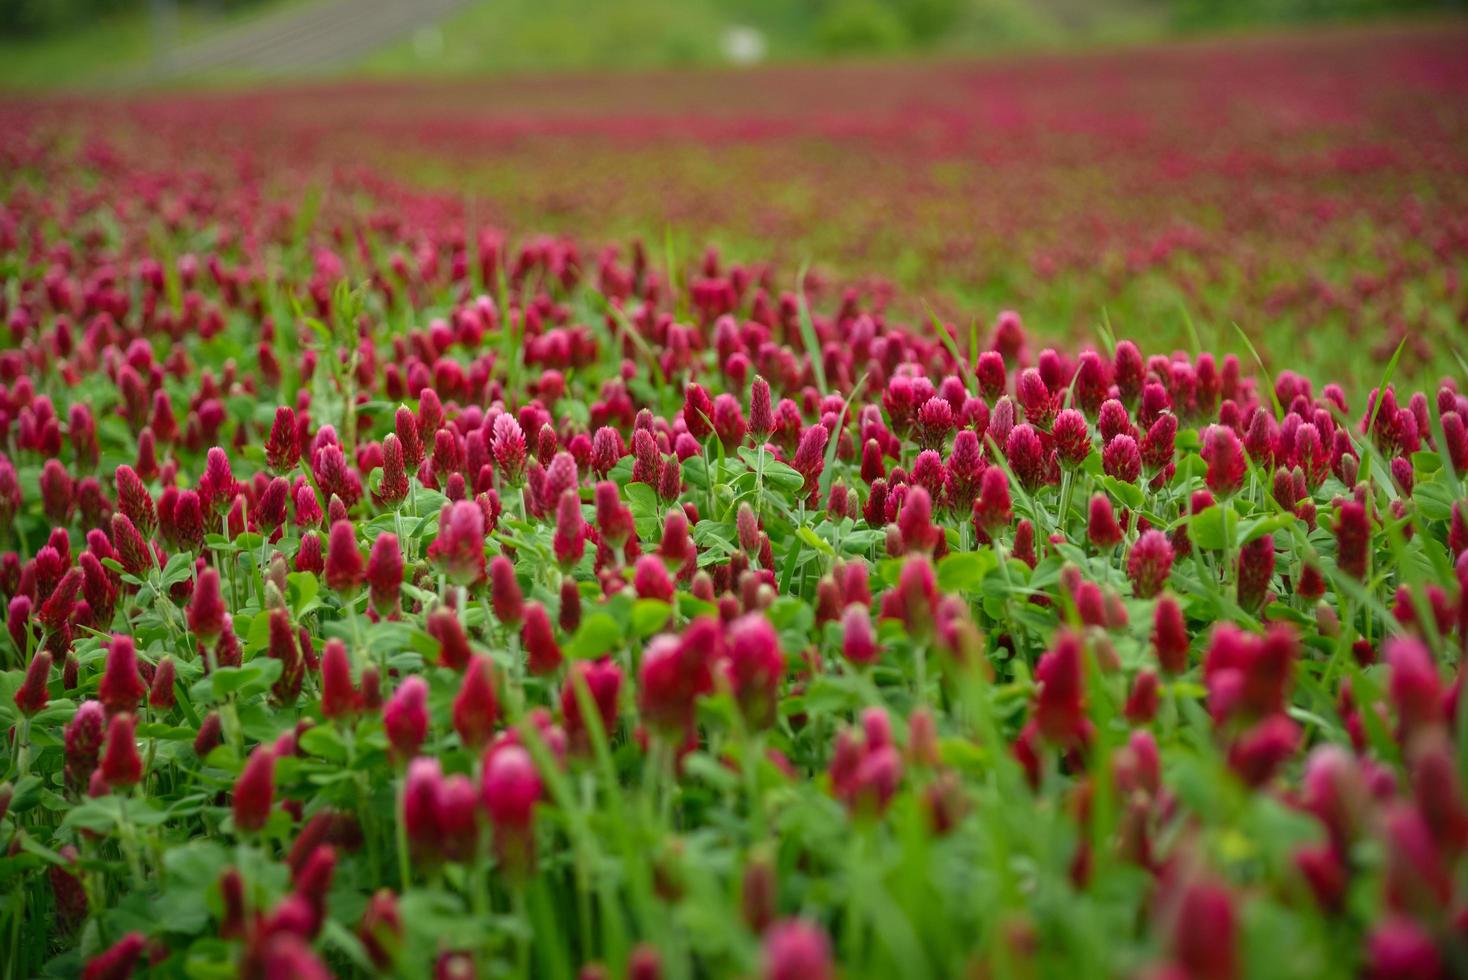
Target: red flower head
{"points": [[796, 950], [858, 639], [761, 412], [1060, 704], [117, 961], [160, 693], [1416, 688], [1170, 635], [650, 579], [56, 492], [1149, 563], [132, 550], [1034, 398], [810, 455], [1026, 455], [475, 706], [505, 596], [569, 542], [543, 654], [755, 667], [1205, 933], [1102, 530], [216, 486], [308, 555], [1121, 459], [254, 790], [934, 422], [207, 613], [405, 718], [121, 687], [915, 522], [509, 448], [1072, 437], [1353, 539], [453, 646], [385, 573], [698, 411], [993, 509], [990, 375], [308, 508], [345, 570], [393, 487], [82, 741], [57, 609], [272, 509], [121, 766], [1400, 948], [603, 680], [381, 929], [1159, 444], [1129, 370], [1258, 753], [1225, 458], [338, 695], [511, 788], [282, 450], [134, 500], [32, 696], [1256, 568]]}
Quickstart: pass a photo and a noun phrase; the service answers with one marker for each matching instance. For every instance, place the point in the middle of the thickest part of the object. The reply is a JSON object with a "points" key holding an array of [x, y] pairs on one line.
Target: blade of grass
{"points": [[808, 332]]}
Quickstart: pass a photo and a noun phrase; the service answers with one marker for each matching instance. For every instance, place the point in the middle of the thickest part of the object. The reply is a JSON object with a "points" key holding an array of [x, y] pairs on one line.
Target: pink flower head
{"points": [[476, 708], [207, 613], [405, 718], [755, 667], [339, 697], [1102, 530], [1149, 563], [345, 571], [603, 681], [858, 639], [385, 573], [121, 766], [1121, 459], [121, 687], [1072, 437], [32, 695], [509, 448], [1026, 455], [458, 548], [543, 653], [453, 645], [282, 449], [506, 599], [993, 509], [796, 950], [1170, 635], [1225, 458], [254, 791]]}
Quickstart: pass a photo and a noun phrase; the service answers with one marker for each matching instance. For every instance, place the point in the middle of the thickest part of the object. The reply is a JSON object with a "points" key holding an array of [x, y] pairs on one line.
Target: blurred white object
{"points": [[743, 45]]}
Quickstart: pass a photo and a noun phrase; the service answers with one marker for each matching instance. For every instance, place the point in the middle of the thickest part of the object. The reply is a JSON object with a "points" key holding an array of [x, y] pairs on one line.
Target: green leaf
{"points": [[649, 616], [964, 571], [246, 680], [597, 634], [1129, 494], [1206, 529]]}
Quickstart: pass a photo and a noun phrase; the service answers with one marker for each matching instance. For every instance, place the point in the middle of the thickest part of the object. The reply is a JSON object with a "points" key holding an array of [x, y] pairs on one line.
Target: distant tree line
{"points": [[33, 18]]}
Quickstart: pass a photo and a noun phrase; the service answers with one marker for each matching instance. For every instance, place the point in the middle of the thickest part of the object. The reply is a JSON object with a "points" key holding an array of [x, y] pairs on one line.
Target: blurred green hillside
{"points": [[571, 34]]}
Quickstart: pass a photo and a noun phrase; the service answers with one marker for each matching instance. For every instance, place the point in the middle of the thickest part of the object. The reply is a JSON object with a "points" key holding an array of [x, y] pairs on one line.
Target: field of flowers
{"points": [[400, 579]]}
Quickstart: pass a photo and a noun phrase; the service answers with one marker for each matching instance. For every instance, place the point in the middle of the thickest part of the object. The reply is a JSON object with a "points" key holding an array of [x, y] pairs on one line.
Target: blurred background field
{"points": [[45, 43], [1170, 167]]}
